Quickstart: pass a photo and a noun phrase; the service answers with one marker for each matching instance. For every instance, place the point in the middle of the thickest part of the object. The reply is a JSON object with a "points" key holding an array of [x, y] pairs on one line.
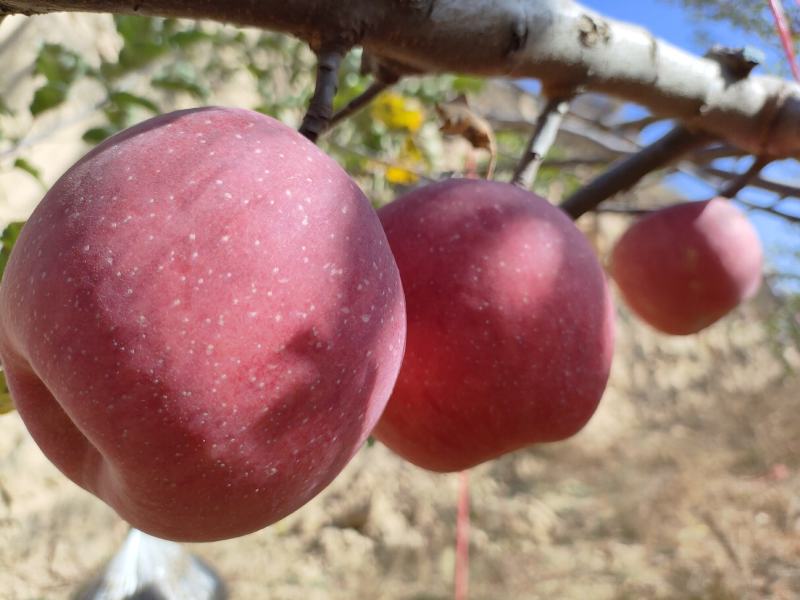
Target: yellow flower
{"points": [[398, 112], [400, 176]]}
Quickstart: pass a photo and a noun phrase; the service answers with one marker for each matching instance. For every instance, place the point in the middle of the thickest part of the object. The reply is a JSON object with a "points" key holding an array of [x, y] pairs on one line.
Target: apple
{"points": [[510, 324], [202, 322], [683, 267]]}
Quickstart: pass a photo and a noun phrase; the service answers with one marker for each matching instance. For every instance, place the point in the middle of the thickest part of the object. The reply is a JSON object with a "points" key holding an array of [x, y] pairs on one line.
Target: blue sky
{"points": [[668, 20]]}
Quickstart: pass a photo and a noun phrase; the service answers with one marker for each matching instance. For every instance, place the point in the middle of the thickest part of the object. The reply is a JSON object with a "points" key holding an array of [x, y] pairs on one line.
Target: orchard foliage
{"points": [[164, 64]]}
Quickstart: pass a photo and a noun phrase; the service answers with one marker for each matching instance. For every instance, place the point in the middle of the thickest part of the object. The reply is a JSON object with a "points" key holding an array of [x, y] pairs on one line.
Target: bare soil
{"points": [[685, 485]]}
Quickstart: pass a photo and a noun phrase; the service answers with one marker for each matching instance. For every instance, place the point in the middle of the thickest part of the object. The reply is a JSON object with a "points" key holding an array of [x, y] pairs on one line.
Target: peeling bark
{"points": [[560, 42]]}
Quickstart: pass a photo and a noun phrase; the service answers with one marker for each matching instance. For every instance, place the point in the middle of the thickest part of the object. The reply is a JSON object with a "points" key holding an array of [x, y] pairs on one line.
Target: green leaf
{"points": [[58, 64], [61, 68], [26, 166], [48, 96], [95, 135], [184, 39], [143, 42], [464, 84], [180, 82], [126, 100], [6, 403], [7, 241]]}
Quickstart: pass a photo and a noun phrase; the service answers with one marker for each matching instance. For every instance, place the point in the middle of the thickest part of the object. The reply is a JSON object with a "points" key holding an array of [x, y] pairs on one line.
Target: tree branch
{"points": [[560, 42], [627, 172], [737, 184], [696, 164], [770, 210], [623, 210], [542, 139], [358, 103], [784, 190]]}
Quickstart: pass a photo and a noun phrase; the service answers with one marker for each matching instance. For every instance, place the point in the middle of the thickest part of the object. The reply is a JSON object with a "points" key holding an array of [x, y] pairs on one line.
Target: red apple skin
{"points": [[510, 324], [202, 322], [682, 268]]}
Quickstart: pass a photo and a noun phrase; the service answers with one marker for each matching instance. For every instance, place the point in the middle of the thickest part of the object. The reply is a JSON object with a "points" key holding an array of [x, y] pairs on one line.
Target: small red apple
{"points": [[683, 267], [202, 322], [510, 324]]}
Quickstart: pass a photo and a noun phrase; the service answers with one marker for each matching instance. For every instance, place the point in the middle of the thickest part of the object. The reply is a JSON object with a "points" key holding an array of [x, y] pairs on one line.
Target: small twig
{"points": [[784, 190], [696, 164], [320, 109], [706, 155], [380, 161], [571, 163], [636, 124], [770, 210], [629, 171], [723, 540], [357, 103], [623, 210], [736, 185], [542, 139]]}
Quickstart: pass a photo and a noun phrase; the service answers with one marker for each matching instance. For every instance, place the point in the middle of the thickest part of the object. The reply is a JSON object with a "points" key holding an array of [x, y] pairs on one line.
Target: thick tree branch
{"points": [[627, 172], [558, 41], [542, 139]]}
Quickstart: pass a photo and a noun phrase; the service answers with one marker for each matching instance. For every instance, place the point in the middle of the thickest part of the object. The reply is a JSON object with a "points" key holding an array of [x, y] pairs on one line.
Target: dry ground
{"points": [[686, 485]]}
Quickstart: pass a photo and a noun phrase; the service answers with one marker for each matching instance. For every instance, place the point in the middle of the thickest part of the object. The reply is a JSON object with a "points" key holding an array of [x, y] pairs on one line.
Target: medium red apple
{"points": [[510, 324], [201, 322], [684, 267]]}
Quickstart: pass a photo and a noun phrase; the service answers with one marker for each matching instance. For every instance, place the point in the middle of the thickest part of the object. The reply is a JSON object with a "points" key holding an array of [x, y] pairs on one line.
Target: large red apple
{"points": [[202, 322], [510, 325], [683, 267]]}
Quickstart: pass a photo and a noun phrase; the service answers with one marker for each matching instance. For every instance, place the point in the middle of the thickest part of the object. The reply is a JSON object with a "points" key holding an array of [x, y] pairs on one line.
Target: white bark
{"points": [[564, 44]]}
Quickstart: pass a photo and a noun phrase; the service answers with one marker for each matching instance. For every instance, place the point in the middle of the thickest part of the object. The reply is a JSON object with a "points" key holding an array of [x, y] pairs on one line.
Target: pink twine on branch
{"points": [[462, 539], [785, 33]]}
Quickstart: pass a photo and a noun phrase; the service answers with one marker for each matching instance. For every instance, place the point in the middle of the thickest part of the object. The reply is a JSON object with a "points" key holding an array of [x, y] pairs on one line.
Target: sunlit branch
{"points": [[542, 139], [630, 170]]}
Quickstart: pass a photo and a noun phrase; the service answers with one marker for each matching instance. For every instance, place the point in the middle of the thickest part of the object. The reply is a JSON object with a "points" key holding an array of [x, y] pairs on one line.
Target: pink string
{"points": [[461, 587], [785, 33]]}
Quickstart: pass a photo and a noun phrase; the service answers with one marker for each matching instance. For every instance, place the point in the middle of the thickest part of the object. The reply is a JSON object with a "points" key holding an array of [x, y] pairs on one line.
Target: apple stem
{"points": [[542, 139], [461, 583], [320, 109]]}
